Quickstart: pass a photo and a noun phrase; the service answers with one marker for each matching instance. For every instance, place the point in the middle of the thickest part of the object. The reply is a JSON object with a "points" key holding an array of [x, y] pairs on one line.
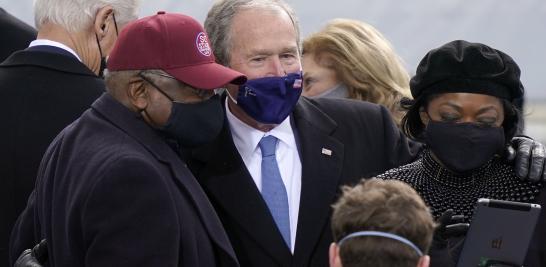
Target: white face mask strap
{"points": [[382, 234], [231, 97]]}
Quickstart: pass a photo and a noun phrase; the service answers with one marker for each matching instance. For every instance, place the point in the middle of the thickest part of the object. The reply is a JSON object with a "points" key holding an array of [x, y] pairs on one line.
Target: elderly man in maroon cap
{"points": [[112, 190]]}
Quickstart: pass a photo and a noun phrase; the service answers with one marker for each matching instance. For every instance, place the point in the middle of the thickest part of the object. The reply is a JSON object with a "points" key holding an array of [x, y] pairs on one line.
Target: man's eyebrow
{"points": [[256, 52], [290, 50], [267, 52]]}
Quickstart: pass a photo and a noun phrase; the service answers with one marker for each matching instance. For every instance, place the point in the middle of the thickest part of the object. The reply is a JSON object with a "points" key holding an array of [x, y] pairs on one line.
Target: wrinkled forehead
{"points": [[254, 17], [263, 28], [259, 14]]}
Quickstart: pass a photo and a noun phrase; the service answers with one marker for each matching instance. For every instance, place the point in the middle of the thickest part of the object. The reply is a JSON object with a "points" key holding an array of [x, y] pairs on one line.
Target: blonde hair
{"points": [[363, 60]]}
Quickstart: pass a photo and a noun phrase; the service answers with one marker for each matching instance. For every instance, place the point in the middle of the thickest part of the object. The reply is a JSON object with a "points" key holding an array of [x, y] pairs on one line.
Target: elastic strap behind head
{"points": [[382, 234]]}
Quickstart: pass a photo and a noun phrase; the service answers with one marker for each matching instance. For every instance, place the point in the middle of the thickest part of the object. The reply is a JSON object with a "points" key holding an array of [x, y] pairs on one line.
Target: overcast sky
{"points": [[517, 27]]}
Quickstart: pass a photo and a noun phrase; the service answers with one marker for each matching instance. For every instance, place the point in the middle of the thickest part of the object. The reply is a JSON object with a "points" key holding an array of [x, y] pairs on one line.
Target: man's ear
{"points": [[101, 25], [334, 258], [138, 94], [424, 261]]}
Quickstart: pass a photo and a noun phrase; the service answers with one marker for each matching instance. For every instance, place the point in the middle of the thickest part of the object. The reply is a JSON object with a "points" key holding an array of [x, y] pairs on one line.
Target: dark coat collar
{"points": [[54, 61], [322, 162], [51, 49], [133, 125]]}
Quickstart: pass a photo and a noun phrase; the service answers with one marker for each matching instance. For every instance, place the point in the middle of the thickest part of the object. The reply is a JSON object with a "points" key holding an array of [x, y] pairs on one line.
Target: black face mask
{"points": [[102, 57], [195, 124], [463, 147]]}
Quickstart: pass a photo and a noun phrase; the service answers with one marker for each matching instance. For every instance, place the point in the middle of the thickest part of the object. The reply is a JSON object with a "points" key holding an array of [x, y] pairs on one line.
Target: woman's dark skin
{"points": [[465, 107]]}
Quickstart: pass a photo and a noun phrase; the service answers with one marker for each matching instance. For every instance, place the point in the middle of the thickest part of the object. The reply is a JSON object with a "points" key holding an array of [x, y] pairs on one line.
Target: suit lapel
{"points": [[208, 217], [322, 159], [230, 186]]}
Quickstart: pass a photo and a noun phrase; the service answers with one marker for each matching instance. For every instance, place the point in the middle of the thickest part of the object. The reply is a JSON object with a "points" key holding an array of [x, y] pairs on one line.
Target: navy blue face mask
{"points": [[192, 124], [195, 124], [270, 100], [463, 147]]}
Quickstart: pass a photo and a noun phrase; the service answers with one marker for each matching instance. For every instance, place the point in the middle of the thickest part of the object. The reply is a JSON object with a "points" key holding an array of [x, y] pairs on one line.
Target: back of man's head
{"points": [[78, 15], [391, 207]]}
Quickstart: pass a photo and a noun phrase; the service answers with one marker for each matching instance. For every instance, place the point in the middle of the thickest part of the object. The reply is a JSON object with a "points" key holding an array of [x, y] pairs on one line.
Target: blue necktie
{"points": [[273, 190]]}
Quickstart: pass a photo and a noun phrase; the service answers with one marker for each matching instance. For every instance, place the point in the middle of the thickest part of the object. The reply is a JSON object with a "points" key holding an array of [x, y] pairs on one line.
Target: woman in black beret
{"points": [[463, 112]]}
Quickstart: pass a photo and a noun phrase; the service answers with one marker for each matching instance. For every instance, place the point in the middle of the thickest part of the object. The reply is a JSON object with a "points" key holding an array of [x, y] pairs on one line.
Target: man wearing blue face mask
{"points": [[275, 169], [276, 166]]}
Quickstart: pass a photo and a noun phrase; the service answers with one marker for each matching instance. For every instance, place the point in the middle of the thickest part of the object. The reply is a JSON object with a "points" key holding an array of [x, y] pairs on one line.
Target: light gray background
{"points": [[517, 27]]}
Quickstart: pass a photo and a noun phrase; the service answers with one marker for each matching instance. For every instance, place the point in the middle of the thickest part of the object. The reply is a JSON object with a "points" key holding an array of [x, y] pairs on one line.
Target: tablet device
{"points": [[500, 231]]}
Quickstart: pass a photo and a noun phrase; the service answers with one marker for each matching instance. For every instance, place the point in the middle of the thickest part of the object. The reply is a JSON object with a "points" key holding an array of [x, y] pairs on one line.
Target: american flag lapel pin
{"points": [[326, 151], [297, 84]]}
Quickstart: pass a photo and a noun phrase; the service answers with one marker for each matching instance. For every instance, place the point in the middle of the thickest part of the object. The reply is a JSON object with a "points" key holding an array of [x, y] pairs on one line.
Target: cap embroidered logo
{"points": [[203, 44]]}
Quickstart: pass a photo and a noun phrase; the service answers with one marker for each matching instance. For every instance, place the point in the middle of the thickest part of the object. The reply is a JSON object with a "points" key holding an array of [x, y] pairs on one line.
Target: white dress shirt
{"points": [[246, 140], [55, 44]]}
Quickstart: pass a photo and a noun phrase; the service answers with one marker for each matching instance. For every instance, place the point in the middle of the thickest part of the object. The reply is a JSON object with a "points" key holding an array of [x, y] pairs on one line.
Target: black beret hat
{"points": [[463, 67]]}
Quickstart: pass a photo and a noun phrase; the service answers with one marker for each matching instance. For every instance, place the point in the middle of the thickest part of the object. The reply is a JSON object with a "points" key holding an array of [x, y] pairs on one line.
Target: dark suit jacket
{"points": [[41, 94], [16, 34], [111, 192], [364, 141]]}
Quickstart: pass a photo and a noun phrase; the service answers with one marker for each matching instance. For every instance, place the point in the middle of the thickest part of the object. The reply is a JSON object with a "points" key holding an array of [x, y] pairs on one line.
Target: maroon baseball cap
{"points": [[174, 43]]}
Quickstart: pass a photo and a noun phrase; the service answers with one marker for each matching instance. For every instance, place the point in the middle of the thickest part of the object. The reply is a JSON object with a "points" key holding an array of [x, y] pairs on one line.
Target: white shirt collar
{"points": [[55, 44], [246, 138]]}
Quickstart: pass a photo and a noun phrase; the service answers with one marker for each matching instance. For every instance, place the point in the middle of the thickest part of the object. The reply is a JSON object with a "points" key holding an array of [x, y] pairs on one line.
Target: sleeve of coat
{"points": [[130, 219], [22, 234], [399, 150]]}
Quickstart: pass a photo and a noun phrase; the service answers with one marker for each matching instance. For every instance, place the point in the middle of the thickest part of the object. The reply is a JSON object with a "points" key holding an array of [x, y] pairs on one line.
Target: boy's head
{"points": [[390, 207]]}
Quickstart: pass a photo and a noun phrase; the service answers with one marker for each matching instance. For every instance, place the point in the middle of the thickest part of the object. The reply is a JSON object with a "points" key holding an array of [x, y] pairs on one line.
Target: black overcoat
{"points": [[111, 192], [42, 92]]}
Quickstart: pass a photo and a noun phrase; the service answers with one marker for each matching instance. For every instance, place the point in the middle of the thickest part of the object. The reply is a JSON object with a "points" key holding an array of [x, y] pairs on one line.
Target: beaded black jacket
{"points": [[442, 189]]}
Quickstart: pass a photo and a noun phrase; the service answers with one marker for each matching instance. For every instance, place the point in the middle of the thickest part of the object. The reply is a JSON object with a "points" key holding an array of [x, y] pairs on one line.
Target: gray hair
{"points": [[117, 81], [77, 15], [220, 17]]}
